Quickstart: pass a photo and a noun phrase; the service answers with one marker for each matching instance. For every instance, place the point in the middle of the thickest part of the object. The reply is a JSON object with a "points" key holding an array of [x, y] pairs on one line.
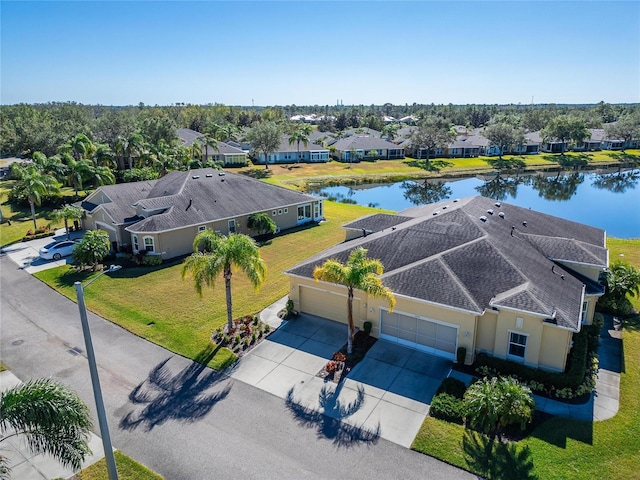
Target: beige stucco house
{"points": [[163, 216], [474, 273]]}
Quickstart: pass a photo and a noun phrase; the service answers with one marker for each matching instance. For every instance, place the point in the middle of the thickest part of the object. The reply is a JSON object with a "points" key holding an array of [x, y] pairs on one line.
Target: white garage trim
{"points": [[424, 334]]}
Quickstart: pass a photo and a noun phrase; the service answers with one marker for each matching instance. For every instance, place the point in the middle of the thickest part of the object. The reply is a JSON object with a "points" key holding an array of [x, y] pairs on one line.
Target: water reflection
{"points": [[558, 188], [501, 187], [617, 183], [421, 193]]}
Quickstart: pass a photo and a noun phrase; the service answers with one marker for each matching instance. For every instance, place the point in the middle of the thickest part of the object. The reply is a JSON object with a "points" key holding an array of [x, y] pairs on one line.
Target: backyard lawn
{"points": [[299, 175], [558, 448], [155, 303]]}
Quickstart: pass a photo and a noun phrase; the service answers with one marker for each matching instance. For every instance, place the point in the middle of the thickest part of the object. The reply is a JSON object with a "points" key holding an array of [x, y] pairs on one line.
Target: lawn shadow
{"points": [[557, 430], [258, 173], [430, 166], [575, 160], [626, 158], [507, 165], [493, 459], [328, 421], [184, 397]]}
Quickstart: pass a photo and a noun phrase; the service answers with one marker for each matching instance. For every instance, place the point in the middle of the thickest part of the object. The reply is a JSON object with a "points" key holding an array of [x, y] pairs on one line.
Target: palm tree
{"points": [[494, 403], [66, 213], [215, 254], [360, 273], [52, 418], [77, 171], [300, 134], [35, 184]]}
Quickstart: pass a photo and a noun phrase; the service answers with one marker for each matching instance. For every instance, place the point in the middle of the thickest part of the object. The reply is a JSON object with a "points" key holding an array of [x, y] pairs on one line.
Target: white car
{"points": [[57, 250]]}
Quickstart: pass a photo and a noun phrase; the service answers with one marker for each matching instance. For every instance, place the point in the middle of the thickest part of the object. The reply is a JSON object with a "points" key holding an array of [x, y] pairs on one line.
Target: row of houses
{"points": [[516, 285], [354, 145]]}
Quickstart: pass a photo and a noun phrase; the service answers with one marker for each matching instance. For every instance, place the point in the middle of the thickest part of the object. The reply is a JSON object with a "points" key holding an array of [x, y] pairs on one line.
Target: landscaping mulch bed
{"points": [[341, 364], [246, 333]]}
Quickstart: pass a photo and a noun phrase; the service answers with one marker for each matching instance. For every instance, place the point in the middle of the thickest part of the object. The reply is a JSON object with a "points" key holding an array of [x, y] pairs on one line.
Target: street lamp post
{"points": [[95, 380]]}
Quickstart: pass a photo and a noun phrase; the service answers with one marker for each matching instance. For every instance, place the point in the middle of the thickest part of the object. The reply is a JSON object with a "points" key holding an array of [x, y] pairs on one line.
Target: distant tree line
{"points": [[45, 127]]}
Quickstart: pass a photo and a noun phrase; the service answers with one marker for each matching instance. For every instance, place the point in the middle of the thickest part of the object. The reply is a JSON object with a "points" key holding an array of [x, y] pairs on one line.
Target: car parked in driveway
{"points": [[57, 250]]}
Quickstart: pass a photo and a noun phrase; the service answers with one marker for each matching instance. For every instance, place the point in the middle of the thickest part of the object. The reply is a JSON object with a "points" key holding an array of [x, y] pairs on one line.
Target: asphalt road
{"points": [[181, 420]]}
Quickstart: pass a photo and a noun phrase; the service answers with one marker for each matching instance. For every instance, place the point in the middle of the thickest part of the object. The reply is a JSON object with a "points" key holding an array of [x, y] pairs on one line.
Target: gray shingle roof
{"points": [[376, 222], [188, 200], [446, 254], [364, 143]]}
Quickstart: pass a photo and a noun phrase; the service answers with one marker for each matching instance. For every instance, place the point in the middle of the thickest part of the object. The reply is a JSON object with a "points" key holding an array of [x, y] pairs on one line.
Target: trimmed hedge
{"points": [[447, 407], [453, 387]]}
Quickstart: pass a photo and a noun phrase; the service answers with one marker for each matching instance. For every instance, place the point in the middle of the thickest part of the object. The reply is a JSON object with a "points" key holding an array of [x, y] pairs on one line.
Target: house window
{"points": [[135, 243], [201, 228], [585, 309], [149, 244], [232, 226], [517, 344]]}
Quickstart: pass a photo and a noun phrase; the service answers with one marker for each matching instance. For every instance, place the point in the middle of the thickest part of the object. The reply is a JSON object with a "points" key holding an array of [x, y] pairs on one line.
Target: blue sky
{"points": [[306, 53]]}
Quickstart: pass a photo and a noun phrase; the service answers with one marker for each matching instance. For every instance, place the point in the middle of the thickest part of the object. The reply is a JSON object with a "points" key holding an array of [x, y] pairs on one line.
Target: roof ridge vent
{"points": [[209, 175], [195, 177], [498, 204], [490, 211], [501, 214], [483, 218]]}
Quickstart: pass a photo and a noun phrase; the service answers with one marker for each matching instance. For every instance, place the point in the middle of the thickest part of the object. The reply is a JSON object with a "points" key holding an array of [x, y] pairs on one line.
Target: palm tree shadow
{"points": [[183, 397], [494, 459], [329, 422]]}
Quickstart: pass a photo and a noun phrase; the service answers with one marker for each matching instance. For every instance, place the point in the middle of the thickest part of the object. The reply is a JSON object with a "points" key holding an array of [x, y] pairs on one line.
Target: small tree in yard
{"points": [[495, 403], [93, 247], [262, 224], [360, 273], [66, 213]]}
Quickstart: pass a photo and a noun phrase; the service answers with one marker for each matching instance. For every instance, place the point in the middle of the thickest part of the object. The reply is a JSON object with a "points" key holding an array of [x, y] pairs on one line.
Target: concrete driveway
{"points": [[26, 256], [386, 395]]}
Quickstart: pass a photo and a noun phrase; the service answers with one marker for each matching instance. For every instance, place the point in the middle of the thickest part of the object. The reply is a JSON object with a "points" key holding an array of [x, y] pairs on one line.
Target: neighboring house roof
{"points": [[225, 148], [361, 131], [446, 254], [188, 136], [192, 198], [122, 196], [364, 143]]}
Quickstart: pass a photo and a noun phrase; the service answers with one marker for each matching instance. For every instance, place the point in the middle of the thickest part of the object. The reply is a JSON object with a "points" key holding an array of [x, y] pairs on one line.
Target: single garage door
{"points": [[327, 304], [423, 334]]}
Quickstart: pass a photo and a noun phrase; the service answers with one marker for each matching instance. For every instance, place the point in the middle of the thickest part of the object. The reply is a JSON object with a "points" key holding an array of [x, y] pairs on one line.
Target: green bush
{"points": [[452, 386], [447, 407], [367, 327], [151, 260]]}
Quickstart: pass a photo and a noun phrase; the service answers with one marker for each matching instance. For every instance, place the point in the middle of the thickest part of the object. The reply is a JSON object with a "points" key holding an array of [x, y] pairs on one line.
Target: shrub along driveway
{"points": [[386, 395]]}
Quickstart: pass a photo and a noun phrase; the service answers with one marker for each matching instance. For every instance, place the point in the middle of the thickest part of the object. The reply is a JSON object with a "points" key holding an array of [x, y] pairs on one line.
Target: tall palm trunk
{"points": [[352, 327], [227, 286], [32, 204]]}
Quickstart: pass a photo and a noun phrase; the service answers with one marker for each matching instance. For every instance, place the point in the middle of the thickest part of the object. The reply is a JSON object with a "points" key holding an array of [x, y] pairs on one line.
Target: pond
{"points": [[605, 199]]}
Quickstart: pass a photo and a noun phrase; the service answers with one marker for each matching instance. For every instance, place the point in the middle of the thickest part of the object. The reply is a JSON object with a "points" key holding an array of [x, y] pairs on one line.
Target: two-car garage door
{"points": [[424, 334]]}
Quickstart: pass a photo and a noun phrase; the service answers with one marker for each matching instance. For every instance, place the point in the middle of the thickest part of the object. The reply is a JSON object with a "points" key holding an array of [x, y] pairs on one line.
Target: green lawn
{"points": [[299, 175], [558, 448], [20, 216], [156, 304], [128, 469]]}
